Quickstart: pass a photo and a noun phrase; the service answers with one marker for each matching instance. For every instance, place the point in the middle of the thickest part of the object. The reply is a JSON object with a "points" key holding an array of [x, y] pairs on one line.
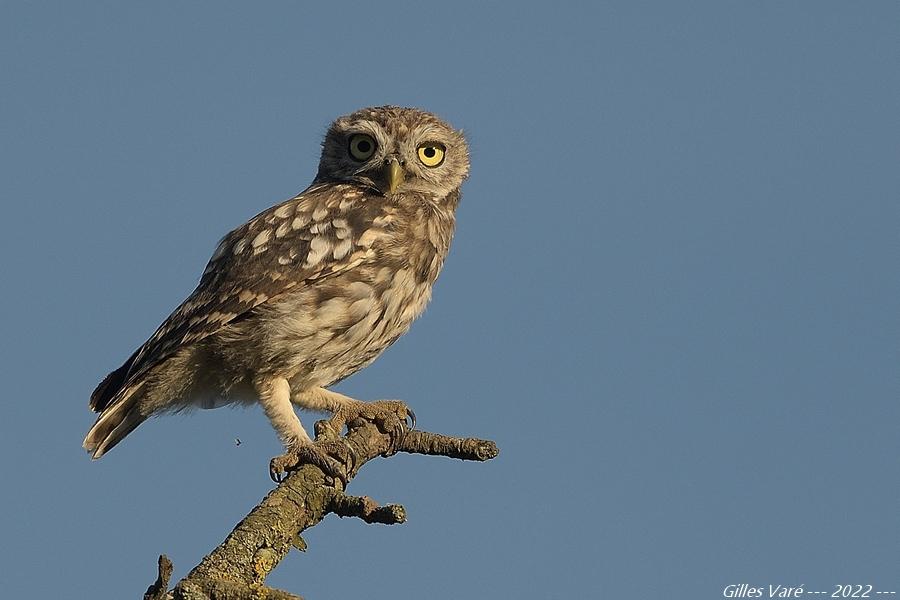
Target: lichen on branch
{"points": [[238, 567]]}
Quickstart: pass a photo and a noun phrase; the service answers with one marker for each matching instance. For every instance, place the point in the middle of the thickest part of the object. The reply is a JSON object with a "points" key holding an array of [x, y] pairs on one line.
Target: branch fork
{"points": [[237, 568]]}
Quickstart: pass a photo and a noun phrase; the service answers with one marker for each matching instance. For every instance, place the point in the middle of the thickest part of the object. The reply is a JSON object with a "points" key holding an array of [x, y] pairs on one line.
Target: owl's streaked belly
{"points": [[355, 327], [317, 335]]}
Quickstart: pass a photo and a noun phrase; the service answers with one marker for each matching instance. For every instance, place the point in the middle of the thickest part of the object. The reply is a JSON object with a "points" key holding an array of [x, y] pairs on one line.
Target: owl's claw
{"points": [[330, 456], [390, 416], [398, 434]]}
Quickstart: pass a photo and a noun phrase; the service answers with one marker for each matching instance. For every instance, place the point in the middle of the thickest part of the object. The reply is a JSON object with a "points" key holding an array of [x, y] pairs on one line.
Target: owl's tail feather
{"points": [[117, 420], [111, 385]]}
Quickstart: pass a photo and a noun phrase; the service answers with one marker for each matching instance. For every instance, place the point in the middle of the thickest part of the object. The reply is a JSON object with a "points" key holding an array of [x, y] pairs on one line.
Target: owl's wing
{"points": [[318, 233]]}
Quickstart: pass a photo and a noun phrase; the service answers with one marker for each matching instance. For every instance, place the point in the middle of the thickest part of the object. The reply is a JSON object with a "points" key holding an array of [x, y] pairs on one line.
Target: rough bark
{"points": [[237, 568]]}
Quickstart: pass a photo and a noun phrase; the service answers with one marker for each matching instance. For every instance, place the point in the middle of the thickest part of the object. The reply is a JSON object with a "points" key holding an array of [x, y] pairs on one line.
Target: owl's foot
{"points": [[388, 415], [328, 455]]}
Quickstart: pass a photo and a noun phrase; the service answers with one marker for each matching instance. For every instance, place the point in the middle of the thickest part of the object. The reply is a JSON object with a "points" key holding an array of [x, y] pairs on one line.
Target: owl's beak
{"points": [[393, 174]]}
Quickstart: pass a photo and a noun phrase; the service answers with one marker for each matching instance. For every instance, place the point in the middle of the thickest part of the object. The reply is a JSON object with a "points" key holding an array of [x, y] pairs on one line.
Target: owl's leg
{"points": [[389, 415], [328, 452], [275, 398]]}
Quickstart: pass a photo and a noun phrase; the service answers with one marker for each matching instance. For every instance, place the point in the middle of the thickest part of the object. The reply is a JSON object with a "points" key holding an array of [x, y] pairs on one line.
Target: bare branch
{"points": [[159, 590], [366, 509], [435, 444], [238, 567]]}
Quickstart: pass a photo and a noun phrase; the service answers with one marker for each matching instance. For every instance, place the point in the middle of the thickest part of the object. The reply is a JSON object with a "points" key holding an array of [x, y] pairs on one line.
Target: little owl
{"points": [[307, 292]]}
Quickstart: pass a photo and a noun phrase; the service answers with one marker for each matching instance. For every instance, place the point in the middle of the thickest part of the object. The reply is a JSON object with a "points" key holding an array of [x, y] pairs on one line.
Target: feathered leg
{"points": [[275, 398], [389, 415]]}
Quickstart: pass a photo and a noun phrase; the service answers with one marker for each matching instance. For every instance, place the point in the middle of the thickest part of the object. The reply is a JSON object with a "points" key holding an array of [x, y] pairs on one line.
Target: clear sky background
{"points": [[672, 298]]}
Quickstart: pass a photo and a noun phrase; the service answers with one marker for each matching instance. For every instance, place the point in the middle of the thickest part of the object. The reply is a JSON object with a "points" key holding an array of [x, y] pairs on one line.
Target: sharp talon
{"points": [[412, 417], [328, 456]]}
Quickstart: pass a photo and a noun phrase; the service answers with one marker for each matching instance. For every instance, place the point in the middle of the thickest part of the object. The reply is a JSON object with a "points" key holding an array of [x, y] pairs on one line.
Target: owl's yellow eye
{"points": [[362, 146], [431, 154]]}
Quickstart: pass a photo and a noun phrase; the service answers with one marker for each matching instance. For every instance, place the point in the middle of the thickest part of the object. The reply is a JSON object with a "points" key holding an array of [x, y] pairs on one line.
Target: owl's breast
{"points": [[322, 331], [324, 335]]}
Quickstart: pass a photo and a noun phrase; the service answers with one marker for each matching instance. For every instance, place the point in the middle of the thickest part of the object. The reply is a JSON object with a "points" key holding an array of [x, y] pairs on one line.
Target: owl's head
{"points": [[396, 150]]}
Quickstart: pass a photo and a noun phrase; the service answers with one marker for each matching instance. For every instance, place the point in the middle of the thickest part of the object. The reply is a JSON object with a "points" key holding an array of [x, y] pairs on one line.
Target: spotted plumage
{"points": [[309, 291]]}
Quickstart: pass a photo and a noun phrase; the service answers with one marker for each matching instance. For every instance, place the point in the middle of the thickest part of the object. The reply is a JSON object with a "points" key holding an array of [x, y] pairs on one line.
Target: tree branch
{"points": [[237, 568], [366, 509], [157, 591]]}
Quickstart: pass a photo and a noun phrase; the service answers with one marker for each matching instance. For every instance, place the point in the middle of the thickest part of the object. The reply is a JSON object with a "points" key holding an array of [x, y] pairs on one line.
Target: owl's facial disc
{"points": [[395, 150]]}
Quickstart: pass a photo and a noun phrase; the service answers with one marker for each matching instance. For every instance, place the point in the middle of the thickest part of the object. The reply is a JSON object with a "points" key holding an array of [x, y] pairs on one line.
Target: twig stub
{"points": [[159, 589], [363, 507]]}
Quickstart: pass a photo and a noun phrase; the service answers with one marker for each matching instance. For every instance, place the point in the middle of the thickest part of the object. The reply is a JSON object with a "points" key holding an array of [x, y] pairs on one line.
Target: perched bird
{"points": [[307, 292]]}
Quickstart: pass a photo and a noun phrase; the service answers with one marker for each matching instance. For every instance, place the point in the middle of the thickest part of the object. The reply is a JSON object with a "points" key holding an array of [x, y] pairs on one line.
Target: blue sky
{"points": [[672, 298]]}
